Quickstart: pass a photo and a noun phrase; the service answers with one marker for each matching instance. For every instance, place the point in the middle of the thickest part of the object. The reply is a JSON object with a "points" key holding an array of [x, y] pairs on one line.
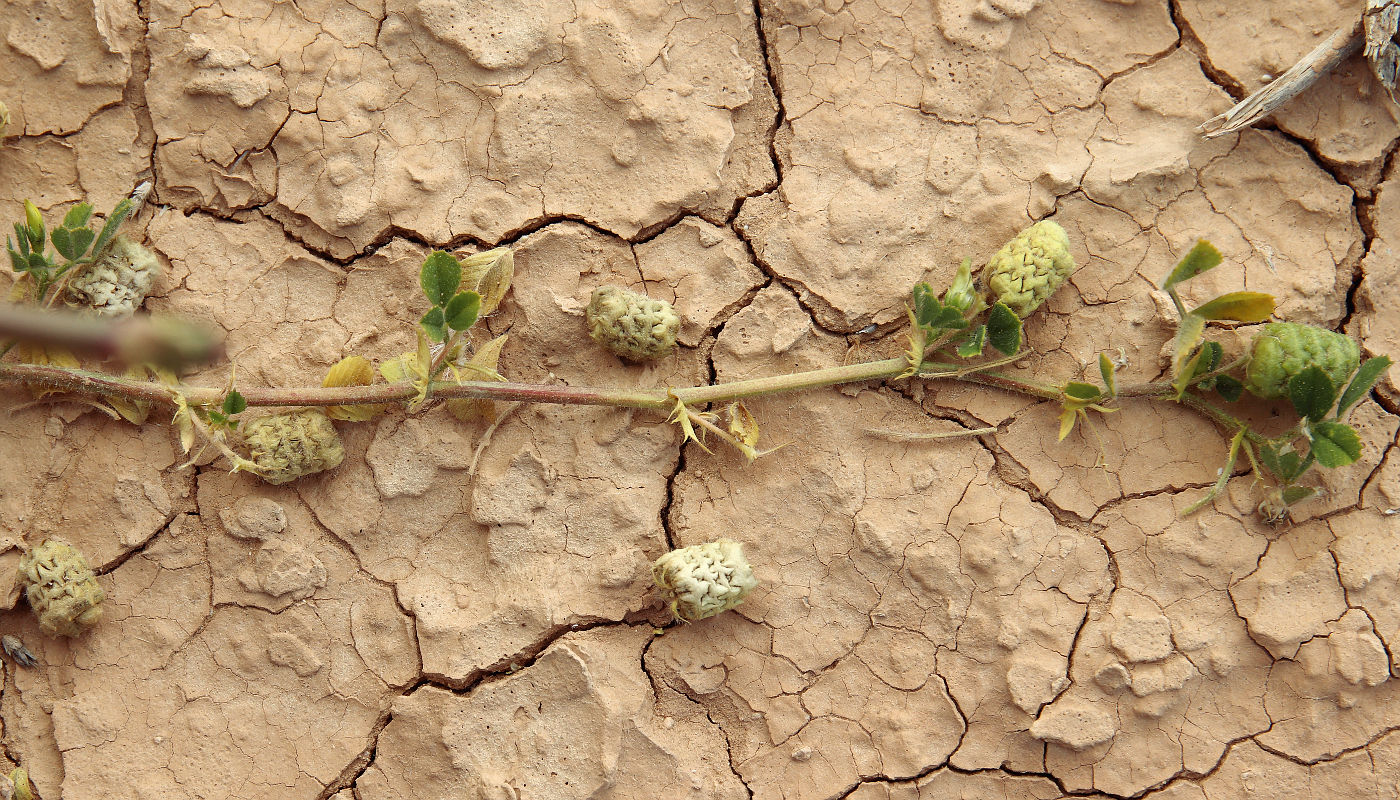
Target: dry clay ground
{"points": [[990, 618]]}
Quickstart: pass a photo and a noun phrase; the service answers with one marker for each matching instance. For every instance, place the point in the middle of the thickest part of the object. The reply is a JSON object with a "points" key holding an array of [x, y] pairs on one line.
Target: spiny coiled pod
{"points": [[634, 326], [61, 588], [1281, 350], [285, 447], [117, 282], [704, 579], [1029, 268]]}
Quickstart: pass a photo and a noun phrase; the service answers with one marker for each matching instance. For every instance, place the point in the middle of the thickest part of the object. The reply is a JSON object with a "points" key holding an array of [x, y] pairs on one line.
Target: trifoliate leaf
{"points": [[462, 309], [1004, 329], [81, 239], [440, 276], [1202, 257], [1311, 393], [1335, 444], [1361, 383], [62, 243], [1239, 306]]}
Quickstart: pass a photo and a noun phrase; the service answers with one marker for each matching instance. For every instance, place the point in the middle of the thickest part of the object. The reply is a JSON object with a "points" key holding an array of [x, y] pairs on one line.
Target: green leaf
{"points": [[82, 239], [1312, 393], [947, 319], [1335, 444], [35, 222], [1297, 494], [234, 403], [1202, 257], [120, 212], [435, 324], [63, 243], [926, 305], [440, 277], [77, 216], [1239, 306], [1361, 383], [973, 344], [1269, 454], [1107, 371], [18, 262], [39, 262], [1004, 329], [1229, 388], [23, 234], [218, 418], [1085, 392], [461, 310]]}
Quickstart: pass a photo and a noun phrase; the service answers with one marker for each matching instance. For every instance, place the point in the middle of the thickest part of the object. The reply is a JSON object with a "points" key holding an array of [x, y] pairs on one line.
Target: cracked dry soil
{"points": [[967, 619]]}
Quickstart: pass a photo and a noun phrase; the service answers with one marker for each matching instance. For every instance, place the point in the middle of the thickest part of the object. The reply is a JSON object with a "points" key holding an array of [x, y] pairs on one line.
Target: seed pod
{"points": [[1029, 268], [61, 588], [287, 446], [117, 282], [705, 579], [1281, 350], [634, 326]]}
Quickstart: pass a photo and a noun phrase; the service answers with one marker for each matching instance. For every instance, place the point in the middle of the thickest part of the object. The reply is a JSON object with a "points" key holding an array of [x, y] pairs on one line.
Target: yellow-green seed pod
{"points": [[705, 579], [1281, 350], [1029, 268], [634, 326], [287, 446], [117, 282], [61, 588]]}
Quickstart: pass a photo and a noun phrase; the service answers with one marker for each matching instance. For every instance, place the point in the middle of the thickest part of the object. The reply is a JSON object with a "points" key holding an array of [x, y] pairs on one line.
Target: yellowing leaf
{"points": [[489, 274], [483, 363], [1188, 335], [133, 411], [742, 424], [1238, 306], [350, 371], [1067, 418]]}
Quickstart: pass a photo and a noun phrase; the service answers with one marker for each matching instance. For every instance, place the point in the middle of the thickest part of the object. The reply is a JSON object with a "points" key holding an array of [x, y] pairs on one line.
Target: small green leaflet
{"points": [[1004, 329], [1083, 392], [114, 221], [1361, 384], [462, 310], [1107, 371], [234, 403], [440, 277], [77, 216], [434, 324], [1202, 257], [1228, 387], [974, 343], [1335, 444], [1312, 393]]}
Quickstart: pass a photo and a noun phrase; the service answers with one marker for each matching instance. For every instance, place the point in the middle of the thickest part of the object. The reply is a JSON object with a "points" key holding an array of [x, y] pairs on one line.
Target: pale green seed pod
{"points": [[287, 446], [705, 579], [1029, 268], [1281, 350], [118, 281], [61, 588], [634, 326]]}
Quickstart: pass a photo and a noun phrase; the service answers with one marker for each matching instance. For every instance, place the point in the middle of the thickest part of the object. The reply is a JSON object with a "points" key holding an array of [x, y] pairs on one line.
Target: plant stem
{"points": [[100, 384]]}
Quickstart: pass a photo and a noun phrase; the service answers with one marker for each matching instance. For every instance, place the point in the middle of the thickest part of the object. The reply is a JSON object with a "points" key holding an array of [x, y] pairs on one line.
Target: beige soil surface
{"points": [[987, 618]]}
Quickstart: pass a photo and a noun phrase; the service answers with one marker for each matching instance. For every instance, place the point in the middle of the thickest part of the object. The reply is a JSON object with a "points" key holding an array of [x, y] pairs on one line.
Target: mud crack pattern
{"points": [[961, 620]]}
